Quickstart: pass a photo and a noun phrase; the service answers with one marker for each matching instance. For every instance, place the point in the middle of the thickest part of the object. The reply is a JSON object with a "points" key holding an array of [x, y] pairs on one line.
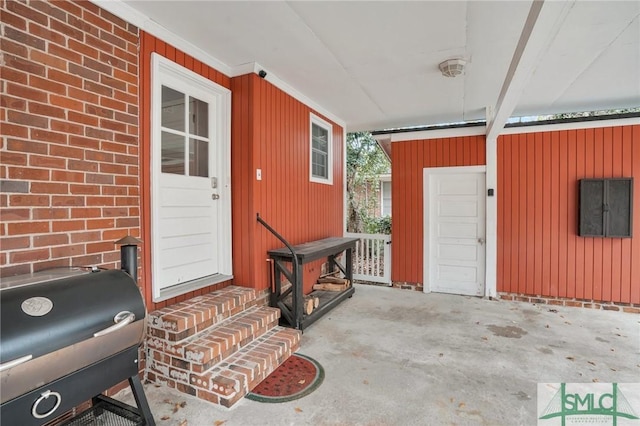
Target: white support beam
{"points": [[491, 206], [540, 28]]}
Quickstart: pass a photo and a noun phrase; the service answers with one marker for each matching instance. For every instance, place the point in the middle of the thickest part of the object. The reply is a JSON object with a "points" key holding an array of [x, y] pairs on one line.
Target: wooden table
{"points": [[328, 248]]}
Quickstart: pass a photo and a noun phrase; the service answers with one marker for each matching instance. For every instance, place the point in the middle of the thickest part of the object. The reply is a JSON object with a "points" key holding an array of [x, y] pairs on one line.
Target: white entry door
{"points": [[454, 230], [191, 198]]}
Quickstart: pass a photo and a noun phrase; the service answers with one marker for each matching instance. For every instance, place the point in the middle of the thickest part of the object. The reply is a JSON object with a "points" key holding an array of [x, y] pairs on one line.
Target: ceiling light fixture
{"points": [[452, 67]]}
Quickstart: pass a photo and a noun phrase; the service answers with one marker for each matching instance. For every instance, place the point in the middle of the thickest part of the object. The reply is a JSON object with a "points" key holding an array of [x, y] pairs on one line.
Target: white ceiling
{"points": [[375, 64]]}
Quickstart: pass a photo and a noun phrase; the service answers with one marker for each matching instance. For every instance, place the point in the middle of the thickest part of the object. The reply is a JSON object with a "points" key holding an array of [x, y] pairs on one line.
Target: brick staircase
{"points": [[217, 347]]}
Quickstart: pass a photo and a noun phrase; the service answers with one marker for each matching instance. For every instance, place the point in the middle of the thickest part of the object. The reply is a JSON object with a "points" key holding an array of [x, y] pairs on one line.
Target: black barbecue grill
{"points": [[67, 335]]}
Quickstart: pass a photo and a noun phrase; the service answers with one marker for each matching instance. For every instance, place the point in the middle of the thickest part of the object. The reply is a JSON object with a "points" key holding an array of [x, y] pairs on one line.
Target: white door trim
{"points": [[490, 283], [164, 70]]}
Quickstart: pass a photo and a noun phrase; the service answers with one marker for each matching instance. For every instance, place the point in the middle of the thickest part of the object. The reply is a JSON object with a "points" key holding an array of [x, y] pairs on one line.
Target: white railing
{"points": [[372, 258]]}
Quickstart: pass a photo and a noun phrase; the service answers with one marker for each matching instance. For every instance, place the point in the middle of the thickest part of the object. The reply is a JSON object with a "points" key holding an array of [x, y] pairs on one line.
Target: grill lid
{"points": [[39, 315]]}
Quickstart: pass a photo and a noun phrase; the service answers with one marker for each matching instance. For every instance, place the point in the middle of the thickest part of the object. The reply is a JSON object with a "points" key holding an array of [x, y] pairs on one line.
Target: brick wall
{"points": [[69, 169]]}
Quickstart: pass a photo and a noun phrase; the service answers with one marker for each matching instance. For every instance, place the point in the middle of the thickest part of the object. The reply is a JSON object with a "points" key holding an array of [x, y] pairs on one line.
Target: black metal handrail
{"points": [[277, 296]]}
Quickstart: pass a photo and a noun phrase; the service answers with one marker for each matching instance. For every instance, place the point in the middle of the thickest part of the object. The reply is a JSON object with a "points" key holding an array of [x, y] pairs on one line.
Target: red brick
{"points": [[28, 200], [25, 173], [114, 212], [114, 190], [610, 308], [82, 118], [102, 46], [46, 109], [87, 212], [113, 125], [84, 189], [82, 24], [66, 103], [20, 228], [66, 176], [84, 72], [49, 60], [86, 166], [100, 223], [126, 180], [24, 38], [631, 310], [68, 225], [27, 12], [68, 250], [9, 129], [13, 20], [98, 178], [113, 147], [84, 49], [64, 78], [127, 201], [49, 10], [67, 200], [83, 95], [83, 142], [92, 132], [50, 240], [51, 213], [99, 247], [67, 30], [14, 48], [24, 92], [87, 260], [14, 158], [47, 85], [125, 76], [26, 146], [99, 156], [16, 76], [573, 303], [29, 255], [14, 243], [56, 263], [15, 214], [113, 60], [69, 7], [48, 162], [83, 237], [49, 188], [47, 136], [98, 111], [66, 152], [100, 201], [97, 88], [13, 103], [25, 65]]}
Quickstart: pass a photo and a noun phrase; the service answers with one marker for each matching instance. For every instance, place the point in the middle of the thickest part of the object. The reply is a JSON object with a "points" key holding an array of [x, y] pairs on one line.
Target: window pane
{"points": [[320, 137], [172, 153], [198, 117], [319, 164], [172, 109], [198, 158]]}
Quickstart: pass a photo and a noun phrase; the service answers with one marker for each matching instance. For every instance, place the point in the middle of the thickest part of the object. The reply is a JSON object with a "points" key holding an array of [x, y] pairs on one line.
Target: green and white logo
{"points": [[588, 403]]}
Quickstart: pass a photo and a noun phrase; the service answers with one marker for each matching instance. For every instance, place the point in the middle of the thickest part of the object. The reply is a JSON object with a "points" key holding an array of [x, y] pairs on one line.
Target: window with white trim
{"points": [[321, 153]]}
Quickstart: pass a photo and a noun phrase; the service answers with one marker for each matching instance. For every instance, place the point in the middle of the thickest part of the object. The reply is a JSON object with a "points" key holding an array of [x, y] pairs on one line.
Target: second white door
{"points": [[454, 260]]}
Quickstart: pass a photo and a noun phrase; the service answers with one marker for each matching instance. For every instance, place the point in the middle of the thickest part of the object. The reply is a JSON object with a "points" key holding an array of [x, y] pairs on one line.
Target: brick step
{"points": [[200, 352], [185, 319], [228, 382]]}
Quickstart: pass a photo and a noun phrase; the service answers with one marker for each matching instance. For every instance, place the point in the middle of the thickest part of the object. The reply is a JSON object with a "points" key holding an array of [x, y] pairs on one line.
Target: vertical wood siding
{"points": [[409, 158], [539, 251], [270, 131], [148, 45]]}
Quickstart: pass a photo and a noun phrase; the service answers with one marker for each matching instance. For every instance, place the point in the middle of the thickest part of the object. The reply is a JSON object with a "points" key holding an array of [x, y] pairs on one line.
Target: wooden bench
{"points": [[329, 248]]}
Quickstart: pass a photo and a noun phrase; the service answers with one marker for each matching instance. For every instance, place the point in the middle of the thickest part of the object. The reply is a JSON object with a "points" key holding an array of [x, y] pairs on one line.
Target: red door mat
{"points": [[298, 376]]}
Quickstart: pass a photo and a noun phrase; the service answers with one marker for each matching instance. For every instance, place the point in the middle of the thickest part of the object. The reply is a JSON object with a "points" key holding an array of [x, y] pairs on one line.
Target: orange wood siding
{"points": [[270, 131], [148, 45], [409, 158], [539, 251]]}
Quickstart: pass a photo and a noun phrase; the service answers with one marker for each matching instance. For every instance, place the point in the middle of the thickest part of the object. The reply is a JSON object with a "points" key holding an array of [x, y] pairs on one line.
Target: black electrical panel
{"points": [[606, 207]]}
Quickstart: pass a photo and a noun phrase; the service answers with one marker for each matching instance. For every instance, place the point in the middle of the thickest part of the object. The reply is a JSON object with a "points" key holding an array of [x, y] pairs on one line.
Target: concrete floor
{"points": [[397, 357]]}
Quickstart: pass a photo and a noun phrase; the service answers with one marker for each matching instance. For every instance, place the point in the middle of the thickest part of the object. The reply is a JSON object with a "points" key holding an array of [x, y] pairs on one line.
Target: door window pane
{"points": [[198, 158], [172, 153], [172, 109], [198, 117]]}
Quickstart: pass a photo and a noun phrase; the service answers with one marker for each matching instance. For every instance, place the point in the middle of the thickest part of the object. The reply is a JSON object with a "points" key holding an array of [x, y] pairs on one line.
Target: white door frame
{"points": [[162, 69], [489, 282]]}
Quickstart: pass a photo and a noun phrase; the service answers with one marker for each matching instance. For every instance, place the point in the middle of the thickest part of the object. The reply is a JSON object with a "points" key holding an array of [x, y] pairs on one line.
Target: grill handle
{"points": [[121, 319], [17, 361]]}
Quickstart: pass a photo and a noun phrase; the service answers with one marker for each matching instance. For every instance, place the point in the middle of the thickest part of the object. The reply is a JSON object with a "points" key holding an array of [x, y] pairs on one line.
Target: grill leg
{"points": [[141, 400]]}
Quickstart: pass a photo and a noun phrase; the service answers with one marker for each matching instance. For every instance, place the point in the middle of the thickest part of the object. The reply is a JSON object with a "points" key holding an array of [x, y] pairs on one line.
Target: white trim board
{"points": [[133, 16]]}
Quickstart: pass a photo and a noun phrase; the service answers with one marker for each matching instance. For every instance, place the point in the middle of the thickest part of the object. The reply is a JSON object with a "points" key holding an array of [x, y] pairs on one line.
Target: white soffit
{"points": [[375, 64]]}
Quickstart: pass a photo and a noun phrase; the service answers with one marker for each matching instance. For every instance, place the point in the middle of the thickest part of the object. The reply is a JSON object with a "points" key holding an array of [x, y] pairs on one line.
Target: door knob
{"points": [[215, 196], [481, 241]]}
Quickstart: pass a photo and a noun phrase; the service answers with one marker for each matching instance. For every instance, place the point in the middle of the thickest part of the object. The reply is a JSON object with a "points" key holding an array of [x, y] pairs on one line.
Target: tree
{"points": [[365, 163]]}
